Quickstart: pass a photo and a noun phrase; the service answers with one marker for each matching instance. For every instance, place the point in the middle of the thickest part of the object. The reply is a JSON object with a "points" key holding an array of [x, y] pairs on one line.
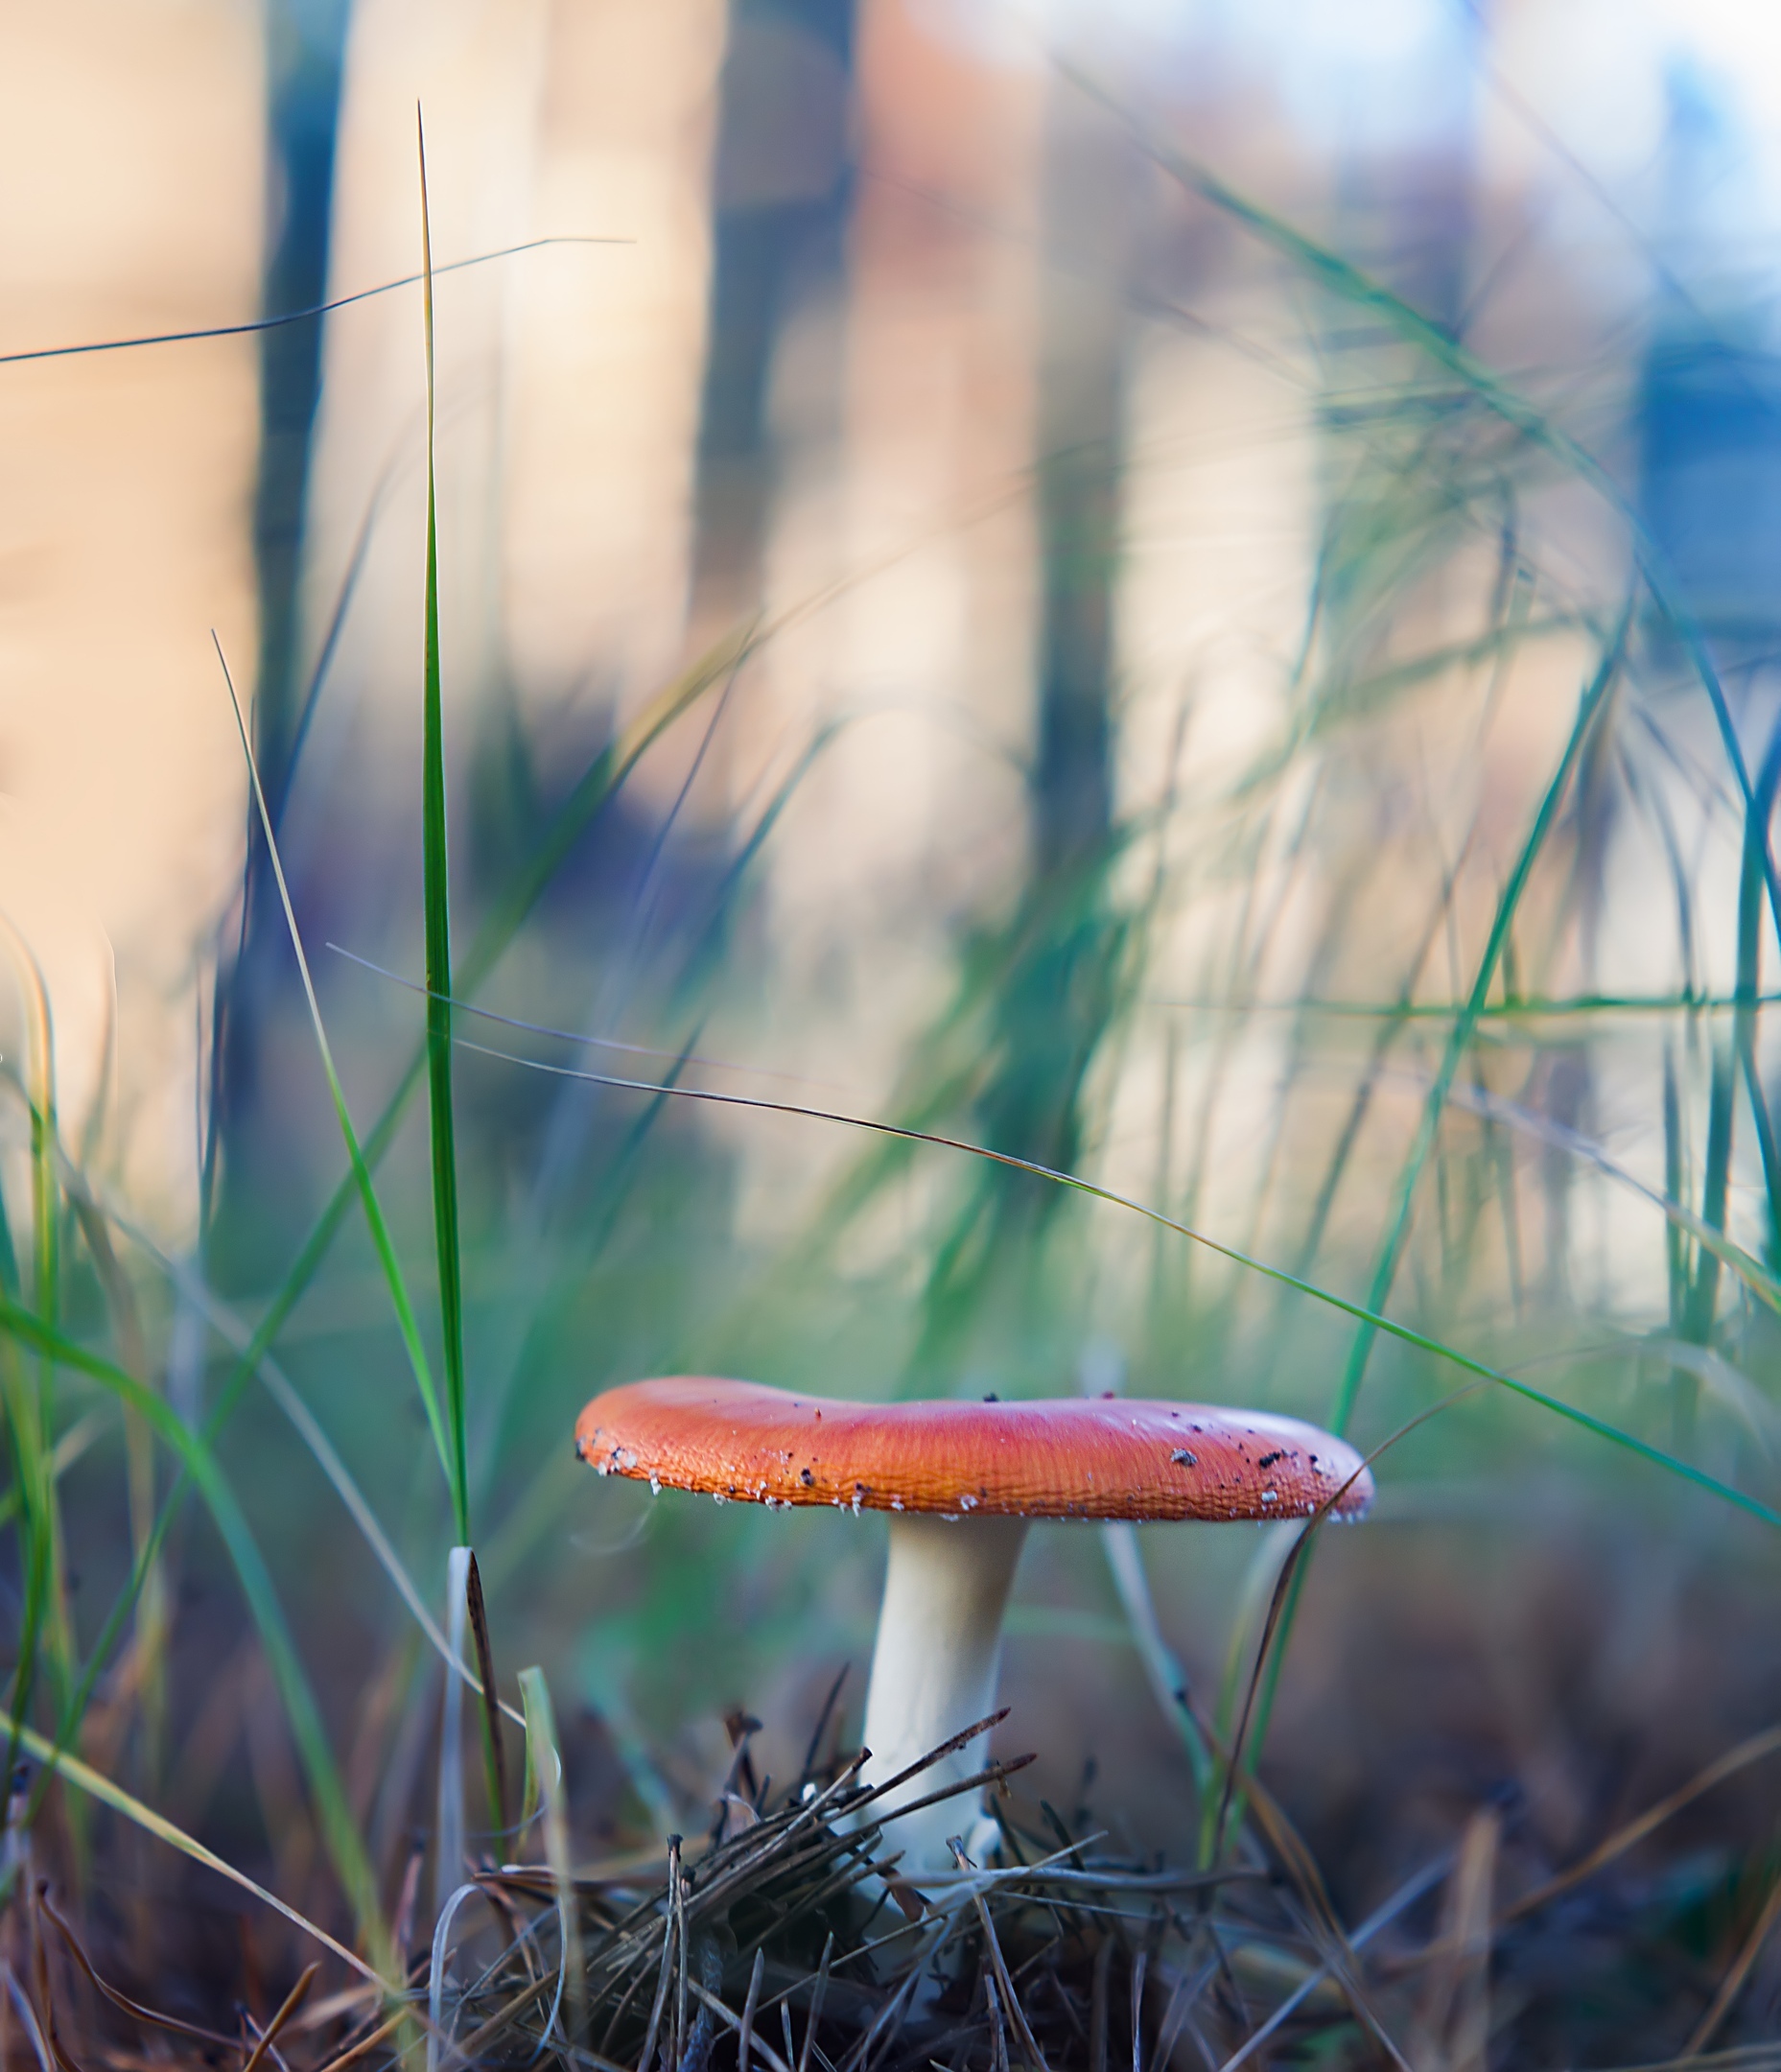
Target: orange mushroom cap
{"points": [[1107, 1457]]}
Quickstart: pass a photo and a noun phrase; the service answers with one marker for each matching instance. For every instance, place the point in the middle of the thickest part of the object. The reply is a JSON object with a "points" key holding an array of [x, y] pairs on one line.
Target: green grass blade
{"points": [[361, 1173], [436, 860], [338, 1829]]}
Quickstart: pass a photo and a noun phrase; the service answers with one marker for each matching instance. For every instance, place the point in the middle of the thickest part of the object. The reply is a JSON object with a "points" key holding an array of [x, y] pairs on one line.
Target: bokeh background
{"points": [[1214, 575]]}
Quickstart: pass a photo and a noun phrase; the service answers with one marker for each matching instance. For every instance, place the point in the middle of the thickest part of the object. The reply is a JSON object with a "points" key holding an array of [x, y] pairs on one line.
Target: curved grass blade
{"points": [[436, 871], [338, 1829], [1371, 1319], [301, 315], [361, 1173]]}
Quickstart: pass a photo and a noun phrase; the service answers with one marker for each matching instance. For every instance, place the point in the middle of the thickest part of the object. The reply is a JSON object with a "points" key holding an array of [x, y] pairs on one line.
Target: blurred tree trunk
{"points": [[781, 191], [1054, 973], [1088, 204], [306, 42]]}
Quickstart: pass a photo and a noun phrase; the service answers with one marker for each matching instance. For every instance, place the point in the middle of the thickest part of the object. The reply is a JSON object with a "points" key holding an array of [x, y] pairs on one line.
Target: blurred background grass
{"points": [[1189, 599]]}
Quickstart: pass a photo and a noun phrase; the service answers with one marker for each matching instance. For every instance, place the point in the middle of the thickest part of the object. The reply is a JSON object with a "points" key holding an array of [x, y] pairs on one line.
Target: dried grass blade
{"points": [[819, 1993], [991, 1774], [678, 2039], [27, 2014], [745, 2029], [153, 2017], [1405, 1897], [1101, 1979], [887, 2023], [646, 2056], [46, 1992], [492, 1748], [744, 2036], [1453, 2024], [1733, 1984], [934, 1754], [1754, 1750], [366, 2044], [999, 1964], [1138, 1970], [293, 2000], [999, 2036]]}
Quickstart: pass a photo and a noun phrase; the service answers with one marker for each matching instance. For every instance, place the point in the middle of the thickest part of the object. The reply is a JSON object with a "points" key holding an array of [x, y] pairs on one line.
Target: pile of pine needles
{"points": [[792, 1938]]}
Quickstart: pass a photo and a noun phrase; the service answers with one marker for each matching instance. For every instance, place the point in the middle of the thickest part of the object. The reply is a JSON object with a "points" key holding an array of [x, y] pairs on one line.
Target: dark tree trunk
{"points": [[305, 56], [781, 193]]}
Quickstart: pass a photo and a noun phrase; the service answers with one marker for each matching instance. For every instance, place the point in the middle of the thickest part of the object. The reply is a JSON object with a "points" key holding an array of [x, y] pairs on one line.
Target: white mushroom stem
{"points": [[934, 1668]]}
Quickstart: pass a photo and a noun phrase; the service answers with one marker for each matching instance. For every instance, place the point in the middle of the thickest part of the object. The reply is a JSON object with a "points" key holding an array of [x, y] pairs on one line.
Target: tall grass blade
{"points": [[435, 859], [1163, 1668], [301, 315]]}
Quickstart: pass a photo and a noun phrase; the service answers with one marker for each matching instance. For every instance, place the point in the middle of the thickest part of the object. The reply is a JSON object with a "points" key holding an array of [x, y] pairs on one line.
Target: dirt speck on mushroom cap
{"points": [[1064, 1457]]}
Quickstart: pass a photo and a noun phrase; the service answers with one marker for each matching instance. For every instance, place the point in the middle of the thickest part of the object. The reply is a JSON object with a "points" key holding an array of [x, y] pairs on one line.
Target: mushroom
{"points": [[961, 1480]]}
